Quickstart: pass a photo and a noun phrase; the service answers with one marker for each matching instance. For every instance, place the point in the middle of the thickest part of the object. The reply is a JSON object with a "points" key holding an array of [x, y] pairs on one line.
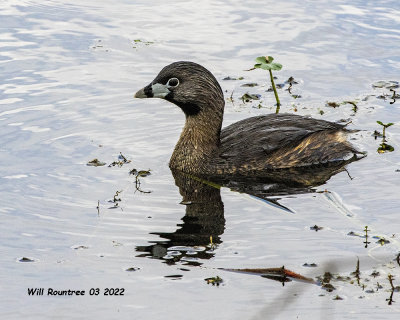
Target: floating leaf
{"points": [[265, 63]]}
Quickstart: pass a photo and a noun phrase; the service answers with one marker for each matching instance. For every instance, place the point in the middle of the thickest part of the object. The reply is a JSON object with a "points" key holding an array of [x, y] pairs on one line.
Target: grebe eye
{"points": [[173, 82]]}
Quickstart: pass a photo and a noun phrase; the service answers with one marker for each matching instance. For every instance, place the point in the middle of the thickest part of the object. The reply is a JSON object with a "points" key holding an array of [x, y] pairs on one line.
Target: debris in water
{"points": [[95, 163], [385, 84], [316, 228], [215, 281], [247, 97], [231, 78], [252, 84], [131, 269], [121, 161], [25, 259]]}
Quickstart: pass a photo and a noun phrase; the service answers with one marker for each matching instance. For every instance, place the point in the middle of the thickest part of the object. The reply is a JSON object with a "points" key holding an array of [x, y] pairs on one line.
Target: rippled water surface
{"points": [[68, 72]]}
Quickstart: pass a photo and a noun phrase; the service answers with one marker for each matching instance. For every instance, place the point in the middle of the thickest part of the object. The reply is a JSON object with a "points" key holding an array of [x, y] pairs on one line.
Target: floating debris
{"points": [[353, 103], [116, 243], [115, 200], [98, 45], [140, 43], [375, 274], [80, 247], [25, 259], [384, 147], [215, 281], [121, 161], [377, 134], [332, 104], [231, 78], [247, 97], [95, 163], [132, 172], [132, 269], [140, 174], [325, 282], [174, 276], [291, 81], [385, 84], [381, 240], [316, 228], [312, 265], [353, 234], [251, 84]]}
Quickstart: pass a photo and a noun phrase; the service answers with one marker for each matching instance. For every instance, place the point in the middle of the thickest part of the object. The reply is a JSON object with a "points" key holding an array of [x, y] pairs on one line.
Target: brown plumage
{"points": [[254, 146]]}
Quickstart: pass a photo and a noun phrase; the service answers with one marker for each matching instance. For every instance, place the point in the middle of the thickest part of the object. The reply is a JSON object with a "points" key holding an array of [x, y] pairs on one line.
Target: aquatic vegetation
{"points": [[333, 104], [98, 45], [132, 269], [247, 97], [385, 84], [266, 63], [384, 147], [115, 200], [121, 161], [316, 228], [140, 174], [381, 240], [231, 78], [215, 281], [80, 247], [393, 289], [312, 265], [250, 85], [212, 246], [95, 163], [388, 85], [387, 125], [139, 42], [366, 237]]}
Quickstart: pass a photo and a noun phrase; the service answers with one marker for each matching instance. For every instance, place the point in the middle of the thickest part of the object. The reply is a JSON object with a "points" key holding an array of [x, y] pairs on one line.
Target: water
{"points": [[68, 75]]}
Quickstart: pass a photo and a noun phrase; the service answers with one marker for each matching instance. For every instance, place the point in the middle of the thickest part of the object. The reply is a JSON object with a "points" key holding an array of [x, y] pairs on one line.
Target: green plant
{"points": [[387, 125], [384, 147], [266, 63]]}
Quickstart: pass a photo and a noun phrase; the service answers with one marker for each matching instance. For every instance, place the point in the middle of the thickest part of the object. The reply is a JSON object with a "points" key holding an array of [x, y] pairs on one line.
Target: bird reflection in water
{"points": [[204, 215]]}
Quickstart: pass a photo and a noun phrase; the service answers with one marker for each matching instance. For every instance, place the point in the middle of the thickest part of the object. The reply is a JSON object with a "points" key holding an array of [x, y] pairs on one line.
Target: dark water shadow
{"points": [[199, 234]]}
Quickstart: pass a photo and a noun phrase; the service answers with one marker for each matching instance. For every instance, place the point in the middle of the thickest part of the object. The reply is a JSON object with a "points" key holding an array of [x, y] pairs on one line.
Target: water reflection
{"points": [[204, 216]]}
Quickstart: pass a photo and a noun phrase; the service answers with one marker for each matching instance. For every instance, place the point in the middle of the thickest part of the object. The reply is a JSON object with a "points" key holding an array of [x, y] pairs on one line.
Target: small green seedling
{"points": [[384, 147], [387, 125], [266, 63]]}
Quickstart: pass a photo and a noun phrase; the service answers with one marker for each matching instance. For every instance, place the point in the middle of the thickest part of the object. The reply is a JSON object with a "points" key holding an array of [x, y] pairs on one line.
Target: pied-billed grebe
{"points": [[251, 146]]}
